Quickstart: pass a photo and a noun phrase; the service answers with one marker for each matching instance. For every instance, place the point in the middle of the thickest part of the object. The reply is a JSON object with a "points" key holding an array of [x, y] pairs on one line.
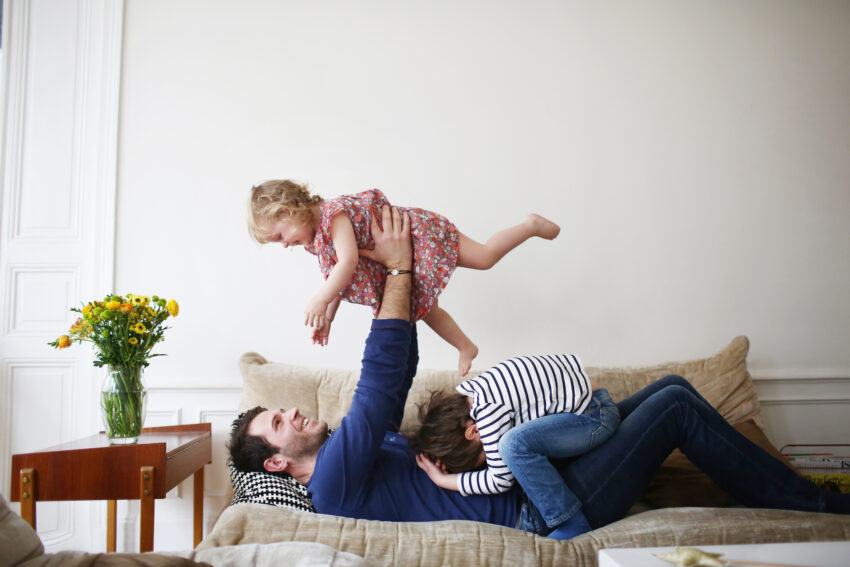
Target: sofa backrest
{"points": [[325, 393]]}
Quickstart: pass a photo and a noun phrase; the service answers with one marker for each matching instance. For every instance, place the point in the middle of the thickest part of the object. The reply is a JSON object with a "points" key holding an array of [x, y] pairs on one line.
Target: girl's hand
{"points": [[320, 335], [314, 313], [436, 472]]}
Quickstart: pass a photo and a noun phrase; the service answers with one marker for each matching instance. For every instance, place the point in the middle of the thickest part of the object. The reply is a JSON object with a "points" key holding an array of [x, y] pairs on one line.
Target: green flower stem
{"points": [[123, 402]]}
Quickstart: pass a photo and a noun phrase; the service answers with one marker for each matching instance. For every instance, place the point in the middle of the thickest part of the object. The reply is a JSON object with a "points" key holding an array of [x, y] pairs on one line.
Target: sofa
{"points": [[681, 507], [20, 546]]}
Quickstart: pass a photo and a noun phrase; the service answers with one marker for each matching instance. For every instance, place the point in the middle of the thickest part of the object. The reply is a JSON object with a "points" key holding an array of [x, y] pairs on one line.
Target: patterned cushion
{"points": [[268, 488]]}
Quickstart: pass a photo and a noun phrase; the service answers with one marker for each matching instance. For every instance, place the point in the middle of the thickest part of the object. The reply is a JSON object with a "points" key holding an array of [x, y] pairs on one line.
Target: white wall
{"points": [[696, 154]]}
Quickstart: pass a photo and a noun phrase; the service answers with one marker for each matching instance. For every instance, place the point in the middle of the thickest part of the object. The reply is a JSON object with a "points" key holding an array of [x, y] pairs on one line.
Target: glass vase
{"points": [[123, 401]]}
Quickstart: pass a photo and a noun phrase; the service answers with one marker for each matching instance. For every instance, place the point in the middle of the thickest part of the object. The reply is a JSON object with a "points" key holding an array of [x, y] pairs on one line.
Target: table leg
{"points": [[146, 498], [111, 509], [28, 496], [199, 506]]}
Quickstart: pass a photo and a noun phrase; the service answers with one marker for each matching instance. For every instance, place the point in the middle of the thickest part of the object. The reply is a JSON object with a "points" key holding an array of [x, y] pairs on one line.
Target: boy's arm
{"points": [[345, 244], [497, 477], [486, 481], [437, 475]]}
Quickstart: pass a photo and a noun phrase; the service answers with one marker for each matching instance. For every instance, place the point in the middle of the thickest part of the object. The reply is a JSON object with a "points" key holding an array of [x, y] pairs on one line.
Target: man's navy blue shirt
{"points": [[365, 469]]}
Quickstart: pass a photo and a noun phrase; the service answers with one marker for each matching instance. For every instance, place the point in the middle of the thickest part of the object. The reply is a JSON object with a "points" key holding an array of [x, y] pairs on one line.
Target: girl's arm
{"points": [[345, 244], [321, 334], [330, 313]]}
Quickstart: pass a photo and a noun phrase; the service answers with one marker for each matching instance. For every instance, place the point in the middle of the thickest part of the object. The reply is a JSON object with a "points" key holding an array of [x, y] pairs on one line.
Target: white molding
{"points": [[203, 416], [12, 272], [204, 413], [800, 401], [6, 427], [108, 16], [64, 512], [64, 525], [195, 390], [15, 64], [805, 383], [792, 374], [174, 416]]}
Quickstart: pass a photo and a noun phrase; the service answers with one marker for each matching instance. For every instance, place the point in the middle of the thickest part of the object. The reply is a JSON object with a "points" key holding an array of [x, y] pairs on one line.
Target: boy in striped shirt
{"points": [[515, 417]]}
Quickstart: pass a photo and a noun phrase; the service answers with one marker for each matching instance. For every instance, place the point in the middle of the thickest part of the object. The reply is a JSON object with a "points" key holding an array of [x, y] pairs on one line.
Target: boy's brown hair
{"points": [[442, 434]]}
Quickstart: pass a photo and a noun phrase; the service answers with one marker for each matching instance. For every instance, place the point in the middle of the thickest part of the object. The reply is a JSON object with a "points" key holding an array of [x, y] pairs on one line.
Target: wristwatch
{"points": [[399, 272]]}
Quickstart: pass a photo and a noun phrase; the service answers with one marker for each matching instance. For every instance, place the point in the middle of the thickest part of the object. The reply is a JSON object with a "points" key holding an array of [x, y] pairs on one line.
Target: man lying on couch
{"points": [[365, 470]]}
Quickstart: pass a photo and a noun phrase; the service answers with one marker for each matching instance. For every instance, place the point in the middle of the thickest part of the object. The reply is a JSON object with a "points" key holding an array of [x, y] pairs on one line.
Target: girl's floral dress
{"points": [[435, 244]]}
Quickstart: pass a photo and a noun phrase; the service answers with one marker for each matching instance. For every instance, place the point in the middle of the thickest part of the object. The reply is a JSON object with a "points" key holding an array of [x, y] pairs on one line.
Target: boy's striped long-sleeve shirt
{"points": [[513, 392]]}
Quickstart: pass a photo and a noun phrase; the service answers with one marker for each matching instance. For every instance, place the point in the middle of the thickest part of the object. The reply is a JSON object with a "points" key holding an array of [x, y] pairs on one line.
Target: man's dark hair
{"points": [[442, 434], [248, 452]]}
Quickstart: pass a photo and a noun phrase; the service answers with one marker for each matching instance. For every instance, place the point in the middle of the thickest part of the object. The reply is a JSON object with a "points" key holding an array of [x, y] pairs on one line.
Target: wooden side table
{"points": [[92, 469]]}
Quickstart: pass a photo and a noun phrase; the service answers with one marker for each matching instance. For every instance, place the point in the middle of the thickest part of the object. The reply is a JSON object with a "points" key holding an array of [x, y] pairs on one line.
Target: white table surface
{"points": [[809, 554]]}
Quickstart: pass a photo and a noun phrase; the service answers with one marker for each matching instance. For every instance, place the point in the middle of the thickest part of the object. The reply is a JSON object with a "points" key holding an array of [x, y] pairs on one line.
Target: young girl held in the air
{"points": [[337, 230]]}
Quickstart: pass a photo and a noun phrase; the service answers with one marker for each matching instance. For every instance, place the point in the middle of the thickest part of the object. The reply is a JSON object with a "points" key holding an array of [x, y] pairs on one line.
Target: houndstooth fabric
{"points": [[268, 488]]}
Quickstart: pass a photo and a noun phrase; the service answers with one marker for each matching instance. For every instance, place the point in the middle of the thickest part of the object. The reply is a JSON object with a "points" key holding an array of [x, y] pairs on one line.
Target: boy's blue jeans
{"points": [[527, 448], [670, 414]]}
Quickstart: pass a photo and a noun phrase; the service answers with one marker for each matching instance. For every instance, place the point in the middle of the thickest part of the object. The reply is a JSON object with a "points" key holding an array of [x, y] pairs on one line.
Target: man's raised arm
{"points": [[340, 486]]}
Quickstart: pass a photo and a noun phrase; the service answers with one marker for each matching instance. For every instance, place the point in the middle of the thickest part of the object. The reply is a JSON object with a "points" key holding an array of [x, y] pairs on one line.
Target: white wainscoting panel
{"points": [[174, 513], [38, 298], [42, 384], [811, 408]]}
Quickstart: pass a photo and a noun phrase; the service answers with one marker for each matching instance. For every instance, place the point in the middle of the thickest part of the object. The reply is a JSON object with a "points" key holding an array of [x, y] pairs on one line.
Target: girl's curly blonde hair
{"points": [[275, 199]]}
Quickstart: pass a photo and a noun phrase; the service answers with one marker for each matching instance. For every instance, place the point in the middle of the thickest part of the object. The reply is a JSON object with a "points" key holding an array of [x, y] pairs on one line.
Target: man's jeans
{"points": [[527, 448], [670, 414]]}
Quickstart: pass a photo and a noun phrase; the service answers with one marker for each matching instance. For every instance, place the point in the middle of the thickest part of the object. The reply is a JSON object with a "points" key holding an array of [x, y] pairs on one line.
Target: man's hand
{"points": [[392, 242], [393, 250]]}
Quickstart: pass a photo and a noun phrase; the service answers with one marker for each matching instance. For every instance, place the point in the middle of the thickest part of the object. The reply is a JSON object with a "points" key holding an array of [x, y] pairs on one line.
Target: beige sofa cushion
{"points": [[470, 543], [18, 540], [722, 379], [325, 393], [21, 546]]}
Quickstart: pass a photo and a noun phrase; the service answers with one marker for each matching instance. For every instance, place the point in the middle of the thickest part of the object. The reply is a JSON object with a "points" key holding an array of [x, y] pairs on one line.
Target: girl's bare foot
{"points": [[467, 353], [542, 227]]}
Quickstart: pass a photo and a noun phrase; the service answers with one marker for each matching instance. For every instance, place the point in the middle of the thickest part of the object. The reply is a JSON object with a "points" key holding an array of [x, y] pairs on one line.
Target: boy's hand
{"points": [[436, 472], [320, 335], [314, 313]]}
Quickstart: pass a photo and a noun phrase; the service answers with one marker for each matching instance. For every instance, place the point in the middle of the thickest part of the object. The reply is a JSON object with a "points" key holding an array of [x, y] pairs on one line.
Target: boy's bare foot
{"points": [[467, 353], [542, 227]]}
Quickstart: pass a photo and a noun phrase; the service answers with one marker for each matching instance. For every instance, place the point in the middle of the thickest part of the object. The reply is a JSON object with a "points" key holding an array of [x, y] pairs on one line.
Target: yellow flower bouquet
{"points": [[124, 330]]}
